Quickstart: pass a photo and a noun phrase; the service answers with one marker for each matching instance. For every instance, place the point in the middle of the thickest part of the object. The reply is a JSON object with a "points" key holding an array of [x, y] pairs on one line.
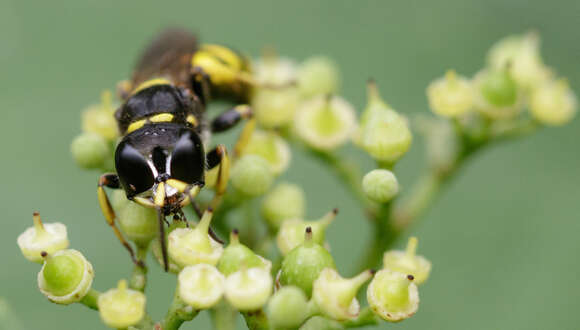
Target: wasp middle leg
{"points": [[111, 180]]}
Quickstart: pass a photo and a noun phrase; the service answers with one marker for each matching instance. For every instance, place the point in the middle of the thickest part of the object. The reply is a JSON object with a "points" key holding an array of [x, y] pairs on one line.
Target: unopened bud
{"points": [[291, 233], [325, 122], [187, 246], [288, 308], [249, 288], [270, 147], [274, 70], [383, 133], [251, 175], [450, 96], [90, 150], [100, 119], [407, 262], [380, 185], [553, 103], [336, 296], [275, 106], [497, 94], [521, 54], [237, 256], [201, 286], [393, 296], [318, 75], [304, 263], [65, 277], [121, 307], [138, 223], [48, 238], [285, 201]]}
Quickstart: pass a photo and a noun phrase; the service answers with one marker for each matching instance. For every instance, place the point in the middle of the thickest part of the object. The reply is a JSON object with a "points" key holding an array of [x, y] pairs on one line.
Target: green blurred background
{"points": [[503, 239]]}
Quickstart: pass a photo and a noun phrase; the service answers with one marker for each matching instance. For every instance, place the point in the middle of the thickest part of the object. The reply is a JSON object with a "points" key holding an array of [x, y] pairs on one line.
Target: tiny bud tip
{"points": [[43, 254], [410, 277]]}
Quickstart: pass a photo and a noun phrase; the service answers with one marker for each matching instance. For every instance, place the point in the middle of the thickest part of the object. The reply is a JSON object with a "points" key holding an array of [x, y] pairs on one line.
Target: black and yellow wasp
{"points": [[160, 160]]}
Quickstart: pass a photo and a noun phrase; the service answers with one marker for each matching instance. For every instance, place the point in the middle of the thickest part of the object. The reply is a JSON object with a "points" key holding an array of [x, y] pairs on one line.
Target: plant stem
{"points": [[138, 279], [223, 317], [177, 314], [90, 299], [256, 320], [366, 317]]}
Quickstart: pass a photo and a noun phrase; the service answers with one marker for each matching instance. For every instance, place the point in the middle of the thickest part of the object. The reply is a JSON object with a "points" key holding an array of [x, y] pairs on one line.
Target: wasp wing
{"points": [[168, 55]]}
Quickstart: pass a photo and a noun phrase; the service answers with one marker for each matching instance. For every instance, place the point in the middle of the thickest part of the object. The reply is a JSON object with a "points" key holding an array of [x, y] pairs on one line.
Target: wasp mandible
{"points": [[160, 160]]}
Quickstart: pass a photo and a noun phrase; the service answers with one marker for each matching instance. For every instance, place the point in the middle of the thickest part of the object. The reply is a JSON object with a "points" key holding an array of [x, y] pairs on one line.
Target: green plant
{"points": [[295, 284]]}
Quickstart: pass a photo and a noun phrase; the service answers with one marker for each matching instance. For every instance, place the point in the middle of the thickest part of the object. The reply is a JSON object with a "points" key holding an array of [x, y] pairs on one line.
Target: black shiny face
{"points": [[179, 154], [188, 158], [133, 169]]}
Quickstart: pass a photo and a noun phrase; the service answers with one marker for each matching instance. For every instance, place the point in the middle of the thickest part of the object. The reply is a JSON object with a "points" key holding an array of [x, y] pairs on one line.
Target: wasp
{"points": [[160, 161]]}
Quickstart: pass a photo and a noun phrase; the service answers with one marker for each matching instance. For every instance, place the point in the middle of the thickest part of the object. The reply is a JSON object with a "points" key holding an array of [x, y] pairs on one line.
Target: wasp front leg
{"points": [[111, 180], [218, 157]]}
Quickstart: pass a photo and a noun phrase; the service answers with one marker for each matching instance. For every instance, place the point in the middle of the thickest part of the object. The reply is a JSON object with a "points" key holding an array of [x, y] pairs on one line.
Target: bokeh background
{"points": [[503, 238]]}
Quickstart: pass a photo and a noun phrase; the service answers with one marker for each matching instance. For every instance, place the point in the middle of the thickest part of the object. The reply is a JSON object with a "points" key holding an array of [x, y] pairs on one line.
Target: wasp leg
{"points": [[112, 181], [244, 137], [218, 157], [163, 239], [230, 118], [200, 84]]}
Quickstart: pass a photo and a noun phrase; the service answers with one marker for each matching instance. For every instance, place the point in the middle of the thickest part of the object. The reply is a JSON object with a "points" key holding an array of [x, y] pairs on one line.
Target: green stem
{"points": [[90, 299], [365, 318], [256, 320], [223, 317], [138, 279], [177, 314]]}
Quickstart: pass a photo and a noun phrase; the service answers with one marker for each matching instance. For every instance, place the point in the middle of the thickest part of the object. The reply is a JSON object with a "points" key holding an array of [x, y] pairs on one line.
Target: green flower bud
{"points": [[318, 75], [393, 296], [291, 233], [273, 70], [287, 308], [100, 119], [383, 133], [66, 276], [272, 148], [521, 53], [275, 106], [138, 223], [251, 175], [407, 262], [450, 96], [336, 296], [441, 141], [304, 263], [236, 256], [497, 94], [553, 103], [49, 238], [325, 122], [285, 201], [248, 289], [121, 307], [188, 247], [380, 185], [90, 150], [201, 286]]}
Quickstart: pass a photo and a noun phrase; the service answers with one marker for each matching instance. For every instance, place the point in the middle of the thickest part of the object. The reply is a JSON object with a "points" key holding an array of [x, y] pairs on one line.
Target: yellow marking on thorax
{"points": [[161, 118], [136, 125], [157, 118], [151, 82], [191, 119]]}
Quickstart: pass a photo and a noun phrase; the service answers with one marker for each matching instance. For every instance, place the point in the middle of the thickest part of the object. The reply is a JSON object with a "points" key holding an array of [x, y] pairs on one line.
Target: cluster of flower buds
{"points": [[93, 148], [515, 78]]}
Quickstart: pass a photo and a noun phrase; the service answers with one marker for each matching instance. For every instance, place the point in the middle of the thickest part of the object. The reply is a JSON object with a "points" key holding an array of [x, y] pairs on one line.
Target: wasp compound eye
{"points": [[188, 158], [134, 172]]}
